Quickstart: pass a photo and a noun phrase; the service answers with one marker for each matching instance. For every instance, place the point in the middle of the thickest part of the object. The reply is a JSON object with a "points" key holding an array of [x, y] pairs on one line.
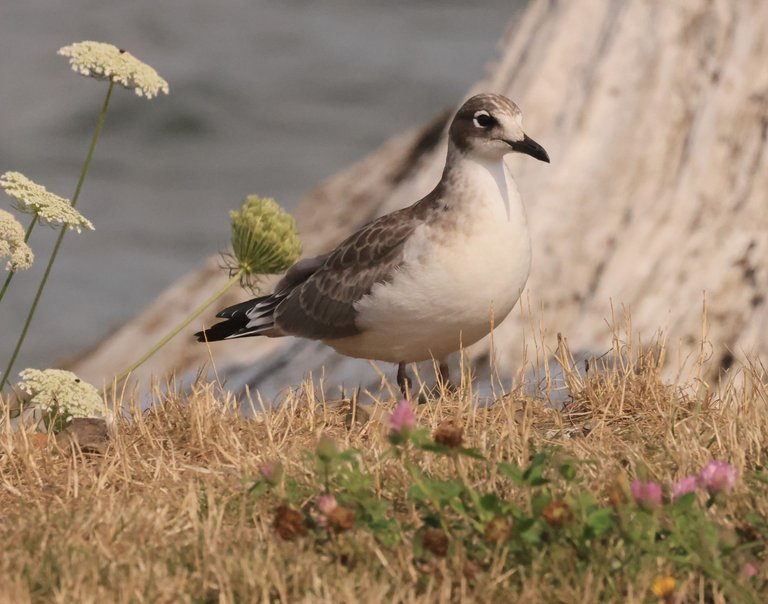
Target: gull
{"points": [[421, 282]]}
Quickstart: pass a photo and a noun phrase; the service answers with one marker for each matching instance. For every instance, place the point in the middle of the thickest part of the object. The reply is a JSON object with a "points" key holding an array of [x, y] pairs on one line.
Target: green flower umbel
{"points": [[264, 238], [264, 242]]}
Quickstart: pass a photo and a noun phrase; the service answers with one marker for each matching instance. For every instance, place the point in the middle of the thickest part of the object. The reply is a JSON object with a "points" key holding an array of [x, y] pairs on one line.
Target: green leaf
{"points": [[445, 490], [433, 447], [387, 538], [540, 501], [473, 452], [531, 533], [420, 437], [356, 482], [374, 508], [534, 473], [534, 476], [349, 455], [416, 493], [512, 472], [457, 505], [491, 503], [258, 488], [567, 470], [601, 521], [567, 466], [417, 544], [684, 502]]}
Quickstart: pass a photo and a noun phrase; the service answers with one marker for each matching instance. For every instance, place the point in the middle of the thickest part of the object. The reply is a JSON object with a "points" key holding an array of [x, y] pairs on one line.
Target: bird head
{"points": [[489, 126]]}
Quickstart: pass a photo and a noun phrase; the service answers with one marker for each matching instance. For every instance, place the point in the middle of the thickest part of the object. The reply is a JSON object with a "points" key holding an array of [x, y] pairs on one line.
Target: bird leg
{"points": [[403, 380], [445, 377]]}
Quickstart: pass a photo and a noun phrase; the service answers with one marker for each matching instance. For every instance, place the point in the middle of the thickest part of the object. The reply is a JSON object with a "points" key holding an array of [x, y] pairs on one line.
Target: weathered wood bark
{"points": [[655, 115]]}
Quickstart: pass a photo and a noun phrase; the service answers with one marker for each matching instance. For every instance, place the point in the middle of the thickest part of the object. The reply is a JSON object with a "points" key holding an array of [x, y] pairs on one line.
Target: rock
{"points": [[90, 434]]}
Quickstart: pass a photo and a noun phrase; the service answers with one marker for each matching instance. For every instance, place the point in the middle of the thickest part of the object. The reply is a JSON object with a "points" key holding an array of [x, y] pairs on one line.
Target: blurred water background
{"points": [[267, 97]]}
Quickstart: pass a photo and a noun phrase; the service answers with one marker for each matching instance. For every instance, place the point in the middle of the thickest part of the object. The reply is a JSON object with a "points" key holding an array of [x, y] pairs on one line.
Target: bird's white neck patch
{"points": [[498, 172], [490, 180]]}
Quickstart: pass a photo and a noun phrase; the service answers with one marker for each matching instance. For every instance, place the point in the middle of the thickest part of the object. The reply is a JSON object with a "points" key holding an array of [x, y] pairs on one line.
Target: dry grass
{"points": [[167, 515]]}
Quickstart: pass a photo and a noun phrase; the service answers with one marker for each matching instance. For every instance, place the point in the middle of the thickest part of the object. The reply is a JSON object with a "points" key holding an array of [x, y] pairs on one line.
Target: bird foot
{"points": [[403, 380]]}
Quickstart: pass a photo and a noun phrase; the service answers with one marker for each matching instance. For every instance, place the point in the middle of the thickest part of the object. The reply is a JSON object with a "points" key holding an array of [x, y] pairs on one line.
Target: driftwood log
{"points": [[655, 115]]}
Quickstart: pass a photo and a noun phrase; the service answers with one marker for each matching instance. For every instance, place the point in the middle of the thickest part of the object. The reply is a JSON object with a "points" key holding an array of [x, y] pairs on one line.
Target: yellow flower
{"points": [[663, 587], [12, 244], [33, 198], [107, 62], [264, 238], [62, 393]]}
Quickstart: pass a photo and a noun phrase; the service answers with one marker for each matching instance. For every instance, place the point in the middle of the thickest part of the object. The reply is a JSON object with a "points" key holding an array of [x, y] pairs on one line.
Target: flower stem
{"points": [[60, 238], [471, 491], [416, 474], [9, 278], [171, 334]]}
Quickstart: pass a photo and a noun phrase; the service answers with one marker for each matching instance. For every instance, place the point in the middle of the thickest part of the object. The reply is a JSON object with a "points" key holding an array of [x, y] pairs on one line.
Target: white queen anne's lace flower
{"points": [[12, 244], [107, 62], [33, 198], [61, 392]]}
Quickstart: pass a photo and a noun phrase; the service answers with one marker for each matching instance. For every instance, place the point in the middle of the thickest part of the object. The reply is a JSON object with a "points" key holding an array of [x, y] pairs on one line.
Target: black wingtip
{"points": [[221, 330], [236, 320], [232, 312]]}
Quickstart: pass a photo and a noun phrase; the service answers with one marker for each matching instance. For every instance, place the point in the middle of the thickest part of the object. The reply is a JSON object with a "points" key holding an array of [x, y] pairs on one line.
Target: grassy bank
{"points": [[193, 501]]}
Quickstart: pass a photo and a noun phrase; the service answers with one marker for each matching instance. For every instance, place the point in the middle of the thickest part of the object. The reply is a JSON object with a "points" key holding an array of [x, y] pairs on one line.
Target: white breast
{"points": [[459, 276], [481, 270]]}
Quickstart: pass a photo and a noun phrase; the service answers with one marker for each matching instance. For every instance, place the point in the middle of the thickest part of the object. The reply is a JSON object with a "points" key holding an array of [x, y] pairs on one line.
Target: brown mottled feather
{"points": [[322, 307]]}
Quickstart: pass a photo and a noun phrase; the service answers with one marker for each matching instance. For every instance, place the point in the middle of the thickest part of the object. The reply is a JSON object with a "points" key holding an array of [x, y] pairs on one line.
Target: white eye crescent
{"points": [[482, 119]]}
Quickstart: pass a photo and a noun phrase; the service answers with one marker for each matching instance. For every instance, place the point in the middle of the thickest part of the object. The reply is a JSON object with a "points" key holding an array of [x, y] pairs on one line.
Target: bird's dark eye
{"points": [[483, 119]]}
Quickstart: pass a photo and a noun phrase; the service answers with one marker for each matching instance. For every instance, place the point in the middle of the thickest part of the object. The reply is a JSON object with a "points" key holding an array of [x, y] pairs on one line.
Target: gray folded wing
{"points": [[322, 307]]}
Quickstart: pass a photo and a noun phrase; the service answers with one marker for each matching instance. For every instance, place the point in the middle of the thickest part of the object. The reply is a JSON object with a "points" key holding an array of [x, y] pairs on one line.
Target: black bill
{"points": [[529, 147]]}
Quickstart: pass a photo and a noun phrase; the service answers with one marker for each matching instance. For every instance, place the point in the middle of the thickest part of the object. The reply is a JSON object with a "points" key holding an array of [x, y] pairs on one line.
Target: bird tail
{"points": [[251, 318], [256, 317]]}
